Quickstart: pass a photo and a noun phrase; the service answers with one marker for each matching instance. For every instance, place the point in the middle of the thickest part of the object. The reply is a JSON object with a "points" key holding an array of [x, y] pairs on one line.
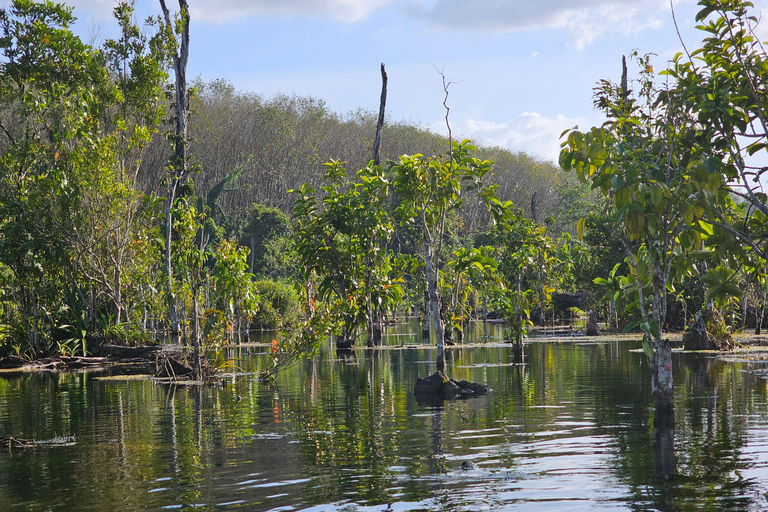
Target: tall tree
{"points": [[645, 158], [55, 90], [342, 245], [725, 81], [178, 30], [429, 188]]}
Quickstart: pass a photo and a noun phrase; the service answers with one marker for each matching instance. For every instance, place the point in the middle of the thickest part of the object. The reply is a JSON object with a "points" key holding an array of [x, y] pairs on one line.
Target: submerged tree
{"points": [[662, 185], [341, 245], [429, 188], [177, 30]]}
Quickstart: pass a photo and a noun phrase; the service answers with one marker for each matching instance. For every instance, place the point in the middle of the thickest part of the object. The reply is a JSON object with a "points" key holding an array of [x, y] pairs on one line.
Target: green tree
{"points": [[527, 264], [56, 92], [264, 227], [645, 158], [342, 245], [724, 82], [177, 31], [429, 188]]}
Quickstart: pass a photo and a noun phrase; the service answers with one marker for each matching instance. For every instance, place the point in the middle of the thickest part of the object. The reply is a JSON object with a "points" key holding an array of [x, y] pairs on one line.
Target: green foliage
{"points": [[429, 189], [279, 305], [528, 269], [265, 234], [645, 159], [342, 247]]}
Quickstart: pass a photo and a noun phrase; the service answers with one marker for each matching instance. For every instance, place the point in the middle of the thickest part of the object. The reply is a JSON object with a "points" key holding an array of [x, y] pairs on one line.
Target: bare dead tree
{"points": [[380, 122]]}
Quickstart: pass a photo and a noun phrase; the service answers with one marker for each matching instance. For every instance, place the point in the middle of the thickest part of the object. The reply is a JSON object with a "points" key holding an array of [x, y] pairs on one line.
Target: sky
{"points": [[520, 71]]}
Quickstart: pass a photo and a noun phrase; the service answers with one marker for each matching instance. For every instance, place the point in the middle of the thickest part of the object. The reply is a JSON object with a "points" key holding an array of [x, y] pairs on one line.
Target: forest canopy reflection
{"points": [[330, 433]]}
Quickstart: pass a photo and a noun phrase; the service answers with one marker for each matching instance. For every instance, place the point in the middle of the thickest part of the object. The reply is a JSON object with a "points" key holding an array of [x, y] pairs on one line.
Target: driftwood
{"points": [[108, 355], [18, 443], [51, 363]]}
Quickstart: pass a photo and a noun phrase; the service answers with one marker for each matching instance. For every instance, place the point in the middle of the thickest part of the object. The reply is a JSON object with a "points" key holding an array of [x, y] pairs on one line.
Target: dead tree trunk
{"points": [[380, 122]]}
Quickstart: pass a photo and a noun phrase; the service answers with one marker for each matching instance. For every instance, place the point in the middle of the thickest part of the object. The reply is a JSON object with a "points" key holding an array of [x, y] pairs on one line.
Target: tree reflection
{"points": [[354, 433], [664, 462]]}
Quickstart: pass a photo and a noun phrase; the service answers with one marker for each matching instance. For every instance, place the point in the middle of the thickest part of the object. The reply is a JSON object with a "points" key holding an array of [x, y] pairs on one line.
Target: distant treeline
{"points": [[279, 143]]}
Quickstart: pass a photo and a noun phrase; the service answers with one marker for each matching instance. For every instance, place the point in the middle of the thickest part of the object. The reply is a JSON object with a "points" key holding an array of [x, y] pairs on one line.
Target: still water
{"points": [[570, 429]]}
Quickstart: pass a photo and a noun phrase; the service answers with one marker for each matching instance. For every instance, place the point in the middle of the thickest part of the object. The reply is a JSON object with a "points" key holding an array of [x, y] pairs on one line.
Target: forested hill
{"points": [[276, 144]]}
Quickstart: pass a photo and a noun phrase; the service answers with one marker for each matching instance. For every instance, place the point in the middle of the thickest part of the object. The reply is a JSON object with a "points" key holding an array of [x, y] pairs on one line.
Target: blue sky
{"points": [[523, 70]]}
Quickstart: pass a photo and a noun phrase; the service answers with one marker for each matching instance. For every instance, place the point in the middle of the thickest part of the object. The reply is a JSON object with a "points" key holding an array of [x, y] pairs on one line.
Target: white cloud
{"points": [[584, 20], [345, 11], [530, 132], [218, 11]]}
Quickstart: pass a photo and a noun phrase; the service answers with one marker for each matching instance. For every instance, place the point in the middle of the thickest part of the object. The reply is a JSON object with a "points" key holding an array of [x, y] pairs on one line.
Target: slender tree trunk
{"points": [[427, 317], [661, 362], [180, 58], [759, 310], [434, 301], [196, 336], [173, 313], [34, 331], [380, 122], [745, 303]]}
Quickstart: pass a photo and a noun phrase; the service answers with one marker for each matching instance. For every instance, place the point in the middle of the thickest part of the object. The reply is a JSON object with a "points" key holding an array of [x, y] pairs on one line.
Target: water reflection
{"points": [[665, 464], [570, 427]]}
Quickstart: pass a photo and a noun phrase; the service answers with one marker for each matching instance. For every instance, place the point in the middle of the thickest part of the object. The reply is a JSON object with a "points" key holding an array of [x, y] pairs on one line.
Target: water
{"points": [[571, 429]]}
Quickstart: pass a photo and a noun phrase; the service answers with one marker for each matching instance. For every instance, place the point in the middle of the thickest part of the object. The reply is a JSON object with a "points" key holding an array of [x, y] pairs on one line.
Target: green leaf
{"points": [[647, 349], [710, 164]]}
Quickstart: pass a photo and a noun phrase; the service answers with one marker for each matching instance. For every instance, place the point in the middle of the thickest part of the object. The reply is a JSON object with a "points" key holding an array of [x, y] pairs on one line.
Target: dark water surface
{"points": [[571, 429]]}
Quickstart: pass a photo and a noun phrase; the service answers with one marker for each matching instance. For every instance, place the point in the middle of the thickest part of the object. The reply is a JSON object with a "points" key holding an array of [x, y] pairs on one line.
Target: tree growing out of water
{"points": [[645, 158], [341, 244], [177, 31], [724, 81], [429, 188], [527, 261]]}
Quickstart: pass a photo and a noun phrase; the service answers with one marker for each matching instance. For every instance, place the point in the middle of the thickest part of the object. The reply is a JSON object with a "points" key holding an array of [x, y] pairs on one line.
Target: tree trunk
{"points": [[378, 326], [196, 337], [745, 303], [180, 58], [661, 376], [434, 303], [707, 332], [347, 338], [592, 323], [380, 122], [759, 310], [173, 313]]}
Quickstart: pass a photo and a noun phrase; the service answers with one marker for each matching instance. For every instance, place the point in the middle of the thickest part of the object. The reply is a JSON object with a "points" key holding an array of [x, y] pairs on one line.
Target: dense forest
{"points": [[88, 148], [135, 206]]}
